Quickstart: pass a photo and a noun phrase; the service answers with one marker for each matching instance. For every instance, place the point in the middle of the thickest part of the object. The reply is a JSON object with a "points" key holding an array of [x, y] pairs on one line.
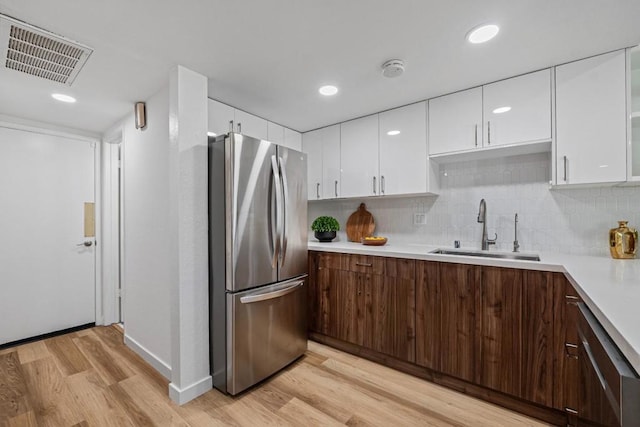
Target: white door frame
{"points": [[41, 128], [111, 236]]}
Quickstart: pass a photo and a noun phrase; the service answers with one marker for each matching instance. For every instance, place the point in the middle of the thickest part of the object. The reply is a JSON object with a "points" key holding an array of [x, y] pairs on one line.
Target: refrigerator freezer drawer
{"points": [[266, 330]]}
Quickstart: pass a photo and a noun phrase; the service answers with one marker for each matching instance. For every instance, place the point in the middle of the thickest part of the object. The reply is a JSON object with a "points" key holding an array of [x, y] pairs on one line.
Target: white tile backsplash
{"points": [[572, 220]]}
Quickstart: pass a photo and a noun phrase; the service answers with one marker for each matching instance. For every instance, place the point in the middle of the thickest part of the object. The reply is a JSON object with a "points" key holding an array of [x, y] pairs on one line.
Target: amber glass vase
{"points": [[622, 241]]}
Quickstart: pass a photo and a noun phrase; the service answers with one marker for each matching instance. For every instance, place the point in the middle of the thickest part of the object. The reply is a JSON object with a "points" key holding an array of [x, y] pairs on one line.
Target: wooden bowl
{"points": [[377, 242]]}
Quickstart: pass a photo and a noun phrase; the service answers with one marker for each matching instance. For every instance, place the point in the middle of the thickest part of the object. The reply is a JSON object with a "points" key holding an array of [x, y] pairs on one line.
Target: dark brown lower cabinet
{"points": [[364, 300], [502, 334]]}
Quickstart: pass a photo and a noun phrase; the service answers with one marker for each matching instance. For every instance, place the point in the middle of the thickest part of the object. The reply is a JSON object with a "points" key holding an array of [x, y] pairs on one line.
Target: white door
{"points": [[359, 157], [455, 122], [518, 110], [292, 139], [275, 133], [591, 123], [47, 275], [403, 150]]}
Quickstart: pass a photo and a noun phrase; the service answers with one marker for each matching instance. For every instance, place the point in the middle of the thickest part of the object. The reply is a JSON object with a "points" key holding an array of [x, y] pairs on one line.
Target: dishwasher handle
{"points": [[271, 295]]}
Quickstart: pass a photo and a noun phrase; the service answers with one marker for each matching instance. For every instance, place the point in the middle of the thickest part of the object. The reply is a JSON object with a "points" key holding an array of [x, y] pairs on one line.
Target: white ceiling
{"points": [[269, 57]]}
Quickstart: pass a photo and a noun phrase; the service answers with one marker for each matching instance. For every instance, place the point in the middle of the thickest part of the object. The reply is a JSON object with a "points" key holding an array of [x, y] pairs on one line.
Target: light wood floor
{"points": [[90, 378]]}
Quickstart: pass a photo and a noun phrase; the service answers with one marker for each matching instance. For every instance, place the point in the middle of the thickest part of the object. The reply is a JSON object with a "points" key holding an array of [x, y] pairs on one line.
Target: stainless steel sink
{"points": [[486, 254]]}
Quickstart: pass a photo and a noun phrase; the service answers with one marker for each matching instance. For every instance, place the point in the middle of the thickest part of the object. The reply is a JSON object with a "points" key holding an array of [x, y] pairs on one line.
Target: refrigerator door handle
{"points": [[278, 188], [273, 294], [285, 213]]}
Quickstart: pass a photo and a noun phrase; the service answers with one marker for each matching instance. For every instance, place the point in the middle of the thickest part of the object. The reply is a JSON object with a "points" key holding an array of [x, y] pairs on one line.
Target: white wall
{"points": [[165, 232], [574, 221], [150, 262]]}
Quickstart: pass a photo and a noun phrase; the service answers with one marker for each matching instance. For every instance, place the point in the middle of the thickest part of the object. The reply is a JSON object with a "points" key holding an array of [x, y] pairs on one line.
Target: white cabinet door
{"points": [[248, 124], [359, 157], [518, 110], [312, 145], [455, 122], [275, 133], [403, 150], [220, 117], [331, 174], [591, 120], [292, 139]]}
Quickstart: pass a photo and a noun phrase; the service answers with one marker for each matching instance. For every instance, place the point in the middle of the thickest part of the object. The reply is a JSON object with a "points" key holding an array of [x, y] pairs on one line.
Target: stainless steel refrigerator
{"points": [[258, 259]]}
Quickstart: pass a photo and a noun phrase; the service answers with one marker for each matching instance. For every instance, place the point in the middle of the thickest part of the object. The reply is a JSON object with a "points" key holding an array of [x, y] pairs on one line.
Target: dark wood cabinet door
{"points": [[537, 337], [390, 310], [500, 319], [458, 305], [428, 314]]}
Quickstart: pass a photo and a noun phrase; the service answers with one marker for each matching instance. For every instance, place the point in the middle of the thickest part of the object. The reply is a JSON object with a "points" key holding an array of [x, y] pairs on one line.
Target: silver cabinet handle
{"points": [[230, 125], [271, 295], [317, 190], [488, 132], [363, 264], [87, 243], [239, 127], [594, 364], [382, 184], [476, 135], [565, 168], [336, 187], [374, 185]]}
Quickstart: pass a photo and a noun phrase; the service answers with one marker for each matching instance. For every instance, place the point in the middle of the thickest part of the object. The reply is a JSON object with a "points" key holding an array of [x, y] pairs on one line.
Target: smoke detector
{"points": [[31, 50], [393, 68]]}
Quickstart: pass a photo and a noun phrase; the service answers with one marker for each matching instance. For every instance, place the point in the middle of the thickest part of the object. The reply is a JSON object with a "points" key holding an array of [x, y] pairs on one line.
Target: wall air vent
{"points": [[30, 50]]}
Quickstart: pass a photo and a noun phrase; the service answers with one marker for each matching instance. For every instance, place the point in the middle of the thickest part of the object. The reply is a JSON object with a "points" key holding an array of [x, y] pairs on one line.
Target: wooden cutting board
{"points": [[360, 224]]}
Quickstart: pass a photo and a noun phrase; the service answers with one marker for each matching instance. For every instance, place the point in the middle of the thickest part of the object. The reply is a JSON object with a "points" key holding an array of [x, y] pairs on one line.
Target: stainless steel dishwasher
{"points": [[609, 387]]}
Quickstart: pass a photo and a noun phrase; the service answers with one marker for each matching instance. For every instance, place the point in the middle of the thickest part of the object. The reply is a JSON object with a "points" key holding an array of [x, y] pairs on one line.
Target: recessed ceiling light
{"points": [[501, 110], [482, 34], [328, 90], [393, 132], [211, 133], [63, 98]]}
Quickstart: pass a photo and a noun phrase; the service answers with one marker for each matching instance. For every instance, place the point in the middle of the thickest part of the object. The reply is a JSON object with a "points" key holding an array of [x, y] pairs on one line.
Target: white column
{"points": [[190, 374]]}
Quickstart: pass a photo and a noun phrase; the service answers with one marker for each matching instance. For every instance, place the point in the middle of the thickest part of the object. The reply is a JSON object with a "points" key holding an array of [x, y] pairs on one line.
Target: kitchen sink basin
{"points": [[485, 254]]}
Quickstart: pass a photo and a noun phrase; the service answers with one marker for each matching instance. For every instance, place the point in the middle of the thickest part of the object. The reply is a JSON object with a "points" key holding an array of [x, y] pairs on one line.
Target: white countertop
{"points": [[609, 287]]}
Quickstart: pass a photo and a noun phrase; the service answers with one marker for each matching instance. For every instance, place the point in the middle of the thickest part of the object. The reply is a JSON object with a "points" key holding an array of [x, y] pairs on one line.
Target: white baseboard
{"points": [[149, 357], [191, 392]]}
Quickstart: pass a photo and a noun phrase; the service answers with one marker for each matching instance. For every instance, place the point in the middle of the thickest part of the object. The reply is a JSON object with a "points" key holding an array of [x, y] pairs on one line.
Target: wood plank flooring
{"points": [[90, 378]]}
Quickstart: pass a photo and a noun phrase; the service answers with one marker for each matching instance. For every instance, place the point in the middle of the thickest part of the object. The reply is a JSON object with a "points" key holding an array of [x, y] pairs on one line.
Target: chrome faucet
{"points": [[482, 218], [516, 245]]}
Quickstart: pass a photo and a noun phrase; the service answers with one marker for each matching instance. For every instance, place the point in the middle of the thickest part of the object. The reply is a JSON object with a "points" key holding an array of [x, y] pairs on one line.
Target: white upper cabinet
{"points": [[312, 145], [455, 122], [275, 133], [331, 176], [517, 110], [359, 157], [403, 150], [508, 112], [591, 120], [292, 139], [248, 124], [322, 147], [221, 117]]}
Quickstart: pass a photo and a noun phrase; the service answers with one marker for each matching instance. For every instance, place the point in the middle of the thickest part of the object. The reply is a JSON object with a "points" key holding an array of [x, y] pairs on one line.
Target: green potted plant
{"points": [[325, 228]]}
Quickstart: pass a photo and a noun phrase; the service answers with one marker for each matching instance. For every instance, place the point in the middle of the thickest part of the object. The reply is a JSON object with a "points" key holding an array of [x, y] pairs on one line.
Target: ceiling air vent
{"points": [[30, 50]]}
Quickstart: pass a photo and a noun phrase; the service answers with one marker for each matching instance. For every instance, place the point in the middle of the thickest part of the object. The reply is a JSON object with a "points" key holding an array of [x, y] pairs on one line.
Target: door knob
{"points": [[87, 243]]}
